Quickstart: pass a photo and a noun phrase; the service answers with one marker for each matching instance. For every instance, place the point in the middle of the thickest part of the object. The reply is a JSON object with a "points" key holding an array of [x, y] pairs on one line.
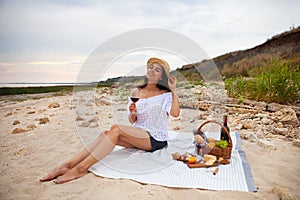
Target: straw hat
{"points": [[162, 62]]}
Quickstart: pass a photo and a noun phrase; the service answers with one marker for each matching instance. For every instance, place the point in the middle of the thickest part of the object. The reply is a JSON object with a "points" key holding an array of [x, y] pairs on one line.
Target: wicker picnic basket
{"points": [[217, 151]]}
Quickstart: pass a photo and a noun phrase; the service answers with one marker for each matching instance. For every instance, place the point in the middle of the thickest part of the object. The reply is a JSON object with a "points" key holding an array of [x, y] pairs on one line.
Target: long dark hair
{"points": [[161, 84]]}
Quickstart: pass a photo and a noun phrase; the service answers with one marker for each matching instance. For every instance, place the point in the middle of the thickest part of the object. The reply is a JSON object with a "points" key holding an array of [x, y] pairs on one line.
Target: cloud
{"points": [[38, 74], [49, 33], [7, 64]]}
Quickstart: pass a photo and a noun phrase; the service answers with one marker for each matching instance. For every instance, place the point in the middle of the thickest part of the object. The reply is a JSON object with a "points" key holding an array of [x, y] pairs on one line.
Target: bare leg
{"points": [[117, 135], [62, 169]]}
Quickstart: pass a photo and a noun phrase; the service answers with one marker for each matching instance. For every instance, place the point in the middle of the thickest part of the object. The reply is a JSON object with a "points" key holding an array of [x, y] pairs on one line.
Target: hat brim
{"points": [[162, 62]]}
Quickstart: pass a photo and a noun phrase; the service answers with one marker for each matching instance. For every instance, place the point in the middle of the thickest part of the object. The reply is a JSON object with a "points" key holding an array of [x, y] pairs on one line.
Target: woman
{"points": [[158, 99]]}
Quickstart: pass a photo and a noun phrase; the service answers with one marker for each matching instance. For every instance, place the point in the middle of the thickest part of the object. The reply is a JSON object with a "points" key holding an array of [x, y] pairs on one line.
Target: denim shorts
{"points": [[156, 145]]}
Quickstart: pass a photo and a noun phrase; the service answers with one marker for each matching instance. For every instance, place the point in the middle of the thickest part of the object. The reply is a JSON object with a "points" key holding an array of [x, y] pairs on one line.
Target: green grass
{"points": [[278, 82], [197, 82], [60, 90], [122, 93], [34, 90]]}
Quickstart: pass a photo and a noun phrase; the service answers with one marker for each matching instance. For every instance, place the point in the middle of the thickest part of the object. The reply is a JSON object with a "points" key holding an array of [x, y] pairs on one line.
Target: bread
{"points": [[211, 140], [211, 145], [209, 157], [225, 162]]}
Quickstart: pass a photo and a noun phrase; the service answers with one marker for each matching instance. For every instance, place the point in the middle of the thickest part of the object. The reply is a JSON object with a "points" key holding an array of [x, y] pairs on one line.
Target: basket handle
{"points": [[215, 122]]}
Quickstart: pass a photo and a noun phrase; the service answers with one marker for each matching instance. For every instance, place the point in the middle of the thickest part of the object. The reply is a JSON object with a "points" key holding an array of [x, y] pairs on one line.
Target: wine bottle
{"points": [[224, 135]]}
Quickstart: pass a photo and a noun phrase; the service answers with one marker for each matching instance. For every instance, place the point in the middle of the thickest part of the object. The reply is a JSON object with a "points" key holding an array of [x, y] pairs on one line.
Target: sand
{"points": [[30, 155]]}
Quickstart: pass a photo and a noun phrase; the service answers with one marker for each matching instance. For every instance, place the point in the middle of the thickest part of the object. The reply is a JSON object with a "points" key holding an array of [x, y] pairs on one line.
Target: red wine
{"points": [[134, 99], [224, 135]]}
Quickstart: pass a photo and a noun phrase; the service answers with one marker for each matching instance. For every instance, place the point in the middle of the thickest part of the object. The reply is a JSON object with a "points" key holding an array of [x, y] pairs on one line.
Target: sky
{"points": [[50, 40]]}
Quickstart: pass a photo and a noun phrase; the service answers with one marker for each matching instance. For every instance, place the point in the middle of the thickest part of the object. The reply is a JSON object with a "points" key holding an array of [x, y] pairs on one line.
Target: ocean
{"points": [[11, 85]]}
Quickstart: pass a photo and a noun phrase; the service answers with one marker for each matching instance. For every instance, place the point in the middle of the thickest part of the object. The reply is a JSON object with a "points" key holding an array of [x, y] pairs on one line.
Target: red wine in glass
{"points": [[134, 99]]}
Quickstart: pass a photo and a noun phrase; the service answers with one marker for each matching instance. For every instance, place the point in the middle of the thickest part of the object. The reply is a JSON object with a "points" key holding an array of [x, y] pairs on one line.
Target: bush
{"points": [[278, 82]]}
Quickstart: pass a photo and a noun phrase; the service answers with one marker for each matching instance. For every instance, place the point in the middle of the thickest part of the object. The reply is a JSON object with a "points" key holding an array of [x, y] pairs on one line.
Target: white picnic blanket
{"points": [[160, 169]]}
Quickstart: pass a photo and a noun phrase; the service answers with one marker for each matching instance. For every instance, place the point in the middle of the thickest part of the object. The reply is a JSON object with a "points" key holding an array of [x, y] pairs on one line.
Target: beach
{"points": [[37, 134]]}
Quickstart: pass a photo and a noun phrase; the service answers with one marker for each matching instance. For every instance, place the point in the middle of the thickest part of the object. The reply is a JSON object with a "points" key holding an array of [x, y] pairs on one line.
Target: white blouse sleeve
{"points": [[168, 104]]}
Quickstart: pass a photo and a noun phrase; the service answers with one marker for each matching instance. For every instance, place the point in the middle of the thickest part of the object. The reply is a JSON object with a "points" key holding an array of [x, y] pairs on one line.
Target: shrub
{"points": [[278, 82]]}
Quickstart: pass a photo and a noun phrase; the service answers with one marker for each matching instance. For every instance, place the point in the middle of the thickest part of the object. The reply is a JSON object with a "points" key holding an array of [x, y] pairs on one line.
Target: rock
{"points": [[121, 109], [18, 130], [85, 124], [204, 106], [95, 119], [176, 128], [256, 119], [239, 110], [260, 105], [78, 118], [286, 116], [8, 114], [250, 136], [266, 144], [202, 116], [280, 131], [283, 193], [274, 107], [44, 120], [42, 110], [279, 125], [265, 121], [103, 101], [249, 124], [177, 119], [16, 122], [199, 90], [236, 123], [94, 125], [261, 115], [296, 142], [298, 113], [239, 126], [53, 105], [31, 126], [89, 104], [243, 135], [260, 133], [31, 112], [189, 104]]}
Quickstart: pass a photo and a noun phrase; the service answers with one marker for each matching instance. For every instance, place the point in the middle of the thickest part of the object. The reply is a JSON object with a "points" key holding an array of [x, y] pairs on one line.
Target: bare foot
{"points": [[70, 175], [58, 171]]}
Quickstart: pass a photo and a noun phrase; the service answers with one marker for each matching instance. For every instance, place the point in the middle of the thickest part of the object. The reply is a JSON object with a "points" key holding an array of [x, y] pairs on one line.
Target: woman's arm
{"points": [[175, 109]]}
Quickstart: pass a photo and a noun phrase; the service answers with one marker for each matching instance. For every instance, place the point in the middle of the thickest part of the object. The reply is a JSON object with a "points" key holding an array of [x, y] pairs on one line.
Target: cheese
{"points": [[209, 159], [210, 162]]}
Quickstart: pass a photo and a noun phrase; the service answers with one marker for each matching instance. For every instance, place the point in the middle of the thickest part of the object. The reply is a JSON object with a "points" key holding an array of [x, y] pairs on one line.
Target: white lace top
{"points": [[152, 115]]}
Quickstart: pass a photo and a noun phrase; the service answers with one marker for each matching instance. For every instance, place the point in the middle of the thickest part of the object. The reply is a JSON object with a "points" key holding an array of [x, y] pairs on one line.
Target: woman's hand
{"points": [[132, 108], [172, 81], [132, 117], [175, 109]]}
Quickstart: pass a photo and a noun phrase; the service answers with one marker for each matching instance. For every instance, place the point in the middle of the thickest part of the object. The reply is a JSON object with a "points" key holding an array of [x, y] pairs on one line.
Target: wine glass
{"points": [[134, 99], [135, 96], [201, 146]]}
